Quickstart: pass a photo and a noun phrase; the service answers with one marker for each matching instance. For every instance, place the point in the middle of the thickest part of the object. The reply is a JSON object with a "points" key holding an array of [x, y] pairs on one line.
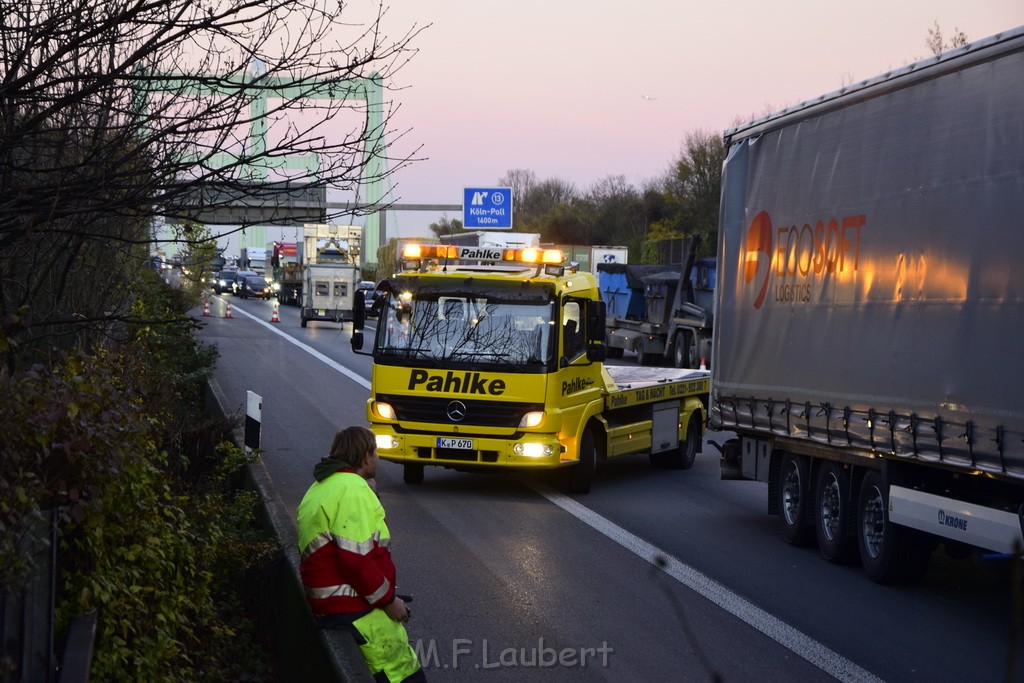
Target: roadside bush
{"points": [[152, 534]]}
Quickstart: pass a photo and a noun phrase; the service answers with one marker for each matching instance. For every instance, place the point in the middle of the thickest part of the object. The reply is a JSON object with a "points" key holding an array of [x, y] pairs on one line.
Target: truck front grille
{"points": [[477, 413]]}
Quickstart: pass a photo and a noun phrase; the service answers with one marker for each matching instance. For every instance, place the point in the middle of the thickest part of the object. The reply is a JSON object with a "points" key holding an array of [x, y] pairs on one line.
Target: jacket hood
{"points": [[328, 466]]}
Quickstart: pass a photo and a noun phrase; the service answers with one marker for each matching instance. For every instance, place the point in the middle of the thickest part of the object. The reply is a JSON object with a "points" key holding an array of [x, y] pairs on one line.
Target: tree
{"points": [[619, 212], [446, 226], [521, 181], [694, 186], [937, 44], [532, 200], [565, 223], [115, 114]]}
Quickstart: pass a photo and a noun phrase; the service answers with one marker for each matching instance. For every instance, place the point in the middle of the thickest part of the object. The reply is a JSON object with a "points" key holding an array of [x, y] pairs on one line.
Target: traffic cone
{"points": [[206, 308], [227, 311], [273, 317], [703, 364]]}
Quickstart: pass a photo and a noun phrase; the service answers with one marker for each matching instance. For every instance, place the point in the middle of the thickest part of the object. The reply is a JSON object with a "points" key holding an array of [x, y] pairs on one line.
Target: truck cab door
{"points": [[578, 382]]}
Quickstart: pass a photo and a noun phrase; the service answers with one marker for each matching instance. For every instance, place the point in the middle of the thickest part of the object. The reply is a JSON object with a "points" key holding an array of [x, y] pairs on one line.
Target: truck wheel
{"points": [[580, 476], [889, 553], [614, 351], [795, 499], [832, 513], [643, 358], [681, 350], [412, 473]]}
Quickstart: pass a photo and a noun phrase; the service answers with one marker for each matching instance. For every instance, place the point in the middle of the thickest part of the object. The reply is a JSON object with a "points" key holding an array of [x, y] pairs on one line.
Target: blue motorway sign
{"points": [[489, 208]]}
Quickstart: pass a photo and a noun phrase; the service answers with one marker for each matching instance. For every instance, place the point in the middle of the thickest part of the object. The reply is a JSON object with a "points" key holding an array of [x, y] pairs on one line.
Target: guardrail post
{"points": [[253, 418]]}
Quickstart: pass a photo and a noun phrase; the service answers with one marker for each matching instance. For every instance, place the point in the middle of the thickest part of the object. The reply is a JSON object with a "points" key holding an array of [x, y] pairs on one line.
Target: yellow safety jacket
{"points": [[345, 563]]}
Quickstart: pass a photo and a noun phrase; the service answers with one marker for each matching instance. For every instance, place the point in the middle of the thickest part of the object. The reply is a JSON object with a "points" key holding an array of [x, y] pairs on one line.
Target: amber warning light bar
{"points": [[533, 255]]}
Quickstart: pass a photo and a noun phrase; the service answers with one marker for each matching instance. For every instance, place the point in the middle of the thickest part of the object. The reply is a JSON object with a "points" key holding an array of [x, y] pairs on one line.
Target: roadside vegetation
{"points": [[118, 118], [153, 531]]}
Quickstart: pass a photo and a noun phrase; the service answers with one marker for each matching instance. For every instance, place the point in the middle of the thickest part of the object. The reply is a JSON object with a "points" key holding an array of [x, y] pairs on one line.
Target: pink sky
{"points": [[558, 86]]}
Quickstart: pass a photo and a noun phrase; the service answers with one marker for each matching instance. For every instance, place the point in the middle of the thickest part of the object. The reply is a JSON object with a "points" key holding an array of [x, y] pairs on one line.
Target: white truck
{"points": [[870, 309], [254, 259], [493, 239], [330, 274]]}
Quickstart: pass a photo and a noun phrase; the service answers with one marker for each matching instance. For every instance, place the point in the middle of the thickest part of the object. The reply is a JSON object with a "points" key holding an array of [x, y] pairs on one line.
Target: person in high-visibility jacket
{"points": [[345, 563]]}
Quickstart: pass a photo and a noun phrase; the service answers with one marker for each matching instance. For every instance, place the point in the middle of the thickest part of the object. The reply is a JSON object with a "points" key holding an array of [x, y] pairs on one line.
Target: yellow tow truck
{"points": [[489, 359]]}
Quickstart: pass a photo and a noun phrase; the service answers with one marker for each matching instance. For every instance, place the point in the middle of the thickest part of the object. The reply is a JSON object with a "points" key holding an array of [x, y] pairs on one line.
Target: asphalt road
{"points": [[654, 575]]}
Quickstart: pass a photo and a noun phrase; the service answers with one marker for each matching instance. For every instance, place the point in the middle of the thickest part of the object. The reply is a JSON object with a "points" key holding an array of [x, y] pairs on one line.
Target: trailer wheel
{"points": [[889, 553], [580, 476], [795, 499], [832, 513], [412, 473]]}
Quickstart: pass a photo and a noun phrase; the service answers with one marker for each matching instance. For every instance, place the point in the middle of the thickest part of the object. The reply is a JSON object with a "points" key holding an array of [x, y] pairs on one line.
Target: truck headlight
{"points": [[386, 442], [533, 450], [532, 419], [384, 410]]}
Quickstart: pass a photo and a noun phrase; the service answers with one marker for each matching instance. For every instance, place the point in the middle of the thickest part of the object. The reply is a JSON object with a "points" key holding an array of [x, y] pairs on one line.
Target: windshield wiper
{"points": [[409, 352]]}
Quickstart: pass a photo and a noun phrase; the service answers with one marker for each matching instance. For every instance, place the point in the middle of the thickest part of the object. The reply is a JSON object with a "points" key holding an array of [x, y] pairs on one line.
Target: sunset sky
{"points": [[582, 90]]}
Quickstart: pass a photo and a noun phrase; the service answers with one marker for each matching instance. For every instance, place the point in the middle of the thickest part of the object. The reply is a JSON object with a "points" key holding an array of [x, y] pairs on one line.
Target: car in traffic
{"points": [[373, 301], [366, 287], [239, 280], [255, 286], [221, 281]]}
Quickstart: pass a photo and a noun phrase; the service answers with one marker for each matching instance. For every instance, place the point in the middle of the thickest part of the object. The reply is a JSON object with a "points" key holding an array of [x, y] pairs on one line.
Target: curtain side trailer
{"points": [[870, 308]]}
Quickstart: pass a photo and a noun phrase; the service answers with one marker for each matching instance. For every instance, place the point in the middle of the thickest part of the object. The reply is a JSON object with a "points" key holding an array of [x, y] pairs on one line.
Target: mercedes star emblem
{"points": [[456, 411]]}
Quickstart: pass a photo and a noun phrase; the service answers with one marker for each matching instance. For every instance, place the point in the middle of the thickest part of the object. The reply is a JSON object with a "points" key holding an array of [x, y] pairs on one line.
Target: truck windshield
{"points": [[469, 329]]}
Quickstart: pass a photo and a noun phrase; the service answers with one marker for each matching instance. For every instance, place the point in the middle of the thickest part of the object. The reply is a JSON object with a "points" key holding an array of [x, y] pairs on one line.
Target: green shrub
{"points": [[152, 533]]}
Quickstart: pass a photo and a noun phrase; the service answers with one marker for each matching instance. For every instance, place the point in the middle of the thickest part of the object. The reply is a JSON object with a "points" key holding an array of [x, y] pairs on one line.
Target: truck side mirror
{"points": [[358, 311], [597, 353], [357, 341]]}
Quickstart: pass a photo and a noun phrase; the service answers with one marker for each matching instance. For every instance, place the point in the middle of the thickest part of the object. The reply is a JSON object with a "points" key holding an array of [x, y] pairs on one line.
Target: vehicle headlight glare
{"points": [[385, 411], [386, 442], [533, 450], [532, 419]]}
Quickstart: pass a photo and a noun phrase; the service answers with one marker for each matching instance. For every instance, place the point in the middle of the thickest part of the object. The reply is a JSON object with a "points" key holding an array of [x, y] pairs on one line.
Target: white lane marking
{"points": [[358, 379], [787, 636], [800, 644]]}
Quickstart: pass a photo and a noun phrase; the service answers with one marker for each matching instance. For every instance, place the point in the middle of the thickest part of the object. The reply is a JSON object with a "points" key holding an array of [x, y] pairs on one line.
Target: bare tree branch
{"points": [[117, 114]]}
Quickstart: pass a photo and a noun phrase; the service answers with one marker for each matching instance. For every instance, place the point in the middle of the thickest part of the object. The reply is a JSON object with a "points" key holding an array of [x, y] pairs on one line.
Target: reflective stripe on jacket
{"points": [[343, 546]]}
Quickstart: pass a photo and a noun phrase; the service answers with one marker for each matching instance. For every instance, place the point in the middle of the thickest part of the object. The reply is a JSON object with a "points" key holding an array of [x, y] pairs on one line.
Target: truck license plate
{"points": [[461, 444]]}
